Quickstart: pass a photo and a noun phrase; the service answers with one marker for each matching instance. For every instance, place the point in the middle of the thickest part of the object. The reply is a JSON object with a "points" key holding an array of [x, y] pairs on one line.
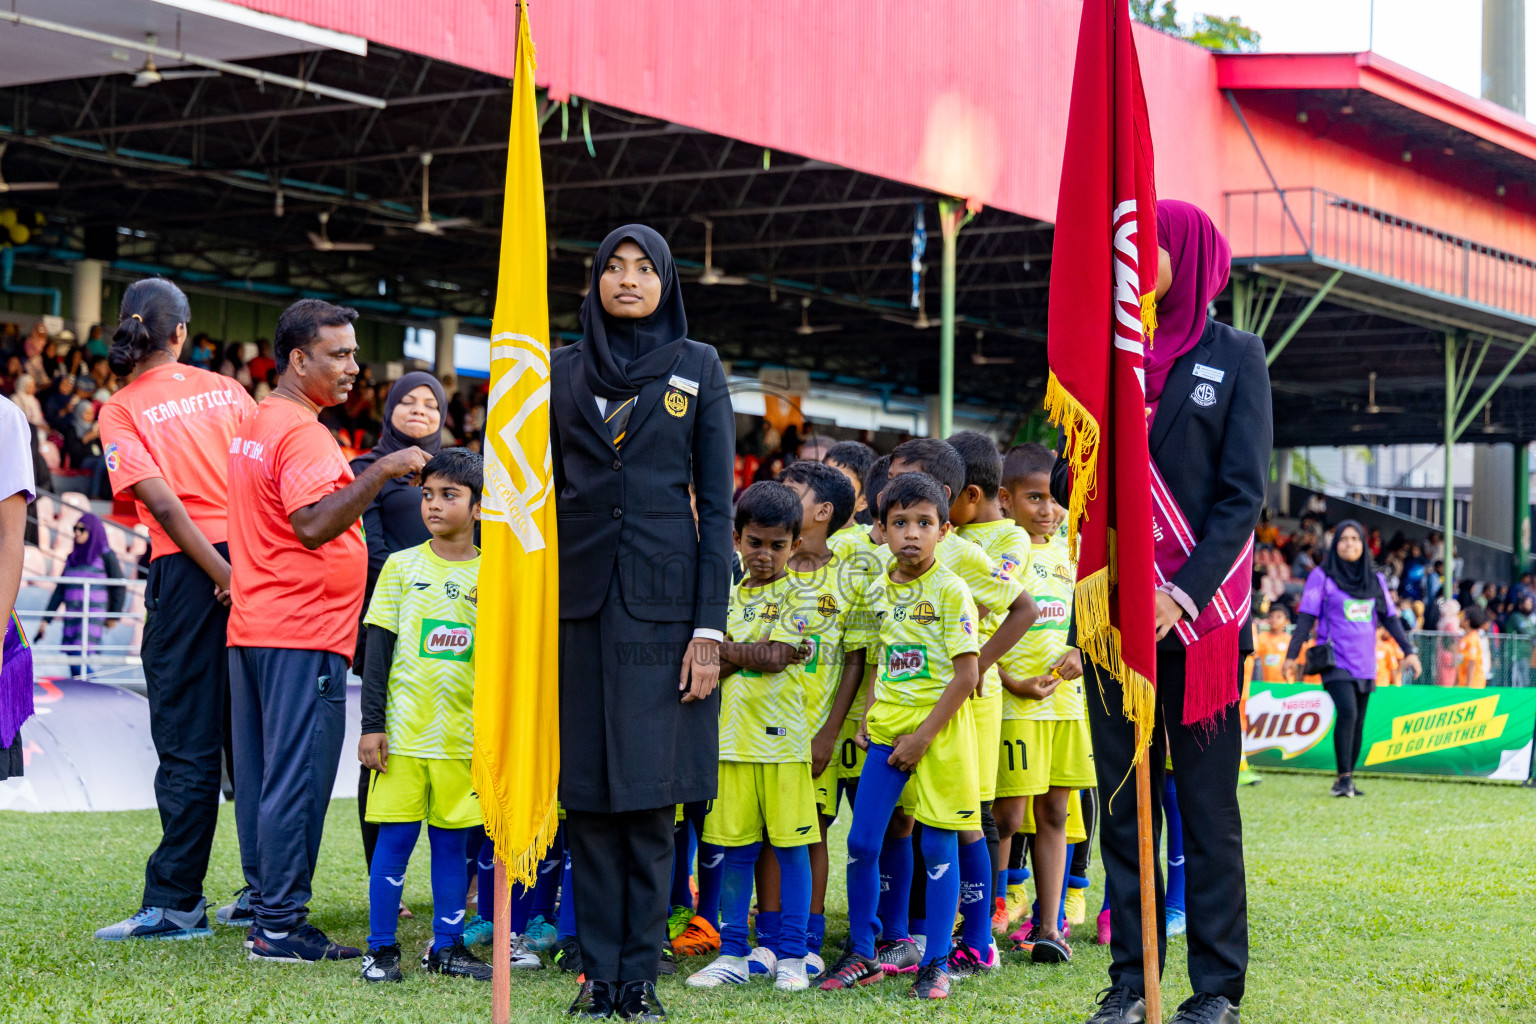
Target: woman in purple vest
{"points": [[1346, 599]]}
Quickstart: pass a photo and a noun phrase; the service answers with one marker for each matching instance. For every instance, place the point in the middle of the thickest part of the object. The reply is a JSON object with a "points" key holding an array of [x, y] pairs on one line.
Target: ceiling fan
{"points": [[322, 242], [921, 322], [979, 358], [149, 74], [805, 329], [1371, 406], [711, 274], [425, 223]]}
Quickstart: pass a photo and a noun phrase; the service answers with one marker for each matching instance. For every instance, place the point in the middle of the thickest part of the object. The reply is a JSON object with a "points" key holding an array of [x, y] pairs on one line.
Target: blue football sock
{"points": [[1000, 883], [711, 878], [386, 879], [736, 899], [975, 894], [566, 928], [449, 886], [769, 923], [881, 785], [485, 879], [795, 899], [1018, 876], [681, 895], [815, 933], [548, 883], [917, 926], [1174, 833], [895, 888], [941, 852]]}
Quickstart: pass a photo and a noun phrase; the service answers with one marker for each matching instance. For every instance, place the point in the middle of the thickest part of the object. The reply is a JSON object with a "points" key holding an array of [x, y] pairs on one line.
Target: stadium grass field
{"points": [[1413, 904]]}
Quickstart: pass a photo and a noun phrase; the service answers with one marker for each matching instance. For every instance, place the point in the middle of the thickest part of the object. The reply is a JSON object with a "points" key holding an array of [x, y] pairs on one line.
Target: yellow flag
{"points": [[517, 696]]}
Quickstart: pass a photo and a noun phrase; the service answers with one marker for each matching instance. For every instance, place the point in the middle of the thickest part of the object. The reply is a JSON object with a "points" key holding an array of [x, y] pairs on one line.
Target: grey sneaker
{"points": [[239, 913], [160, 923]]}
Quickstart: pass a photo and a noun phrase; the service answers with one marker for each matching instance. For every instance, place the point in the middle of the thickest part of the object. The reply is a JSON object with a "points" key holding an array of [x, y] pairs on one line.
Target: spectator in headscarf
{"points": [[86, 605]]}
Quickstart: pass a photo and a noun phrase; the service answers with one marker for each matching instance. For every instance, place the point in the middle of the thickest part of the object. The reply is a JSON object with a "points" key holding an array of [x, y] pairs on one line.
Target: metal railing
{"points": [[109, 659], [1320, 225], [1510, 656]]}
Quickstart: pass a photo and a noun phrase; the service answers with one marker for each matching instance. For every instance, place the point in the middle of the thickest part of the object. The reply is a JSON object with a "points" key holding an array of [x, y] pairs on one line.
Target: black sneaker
{"points": [[932, 982], [1342, 787], [851, 971], [595, 999], [303, 944], [668, 963], [1119, 1005], [382, 964], [457, 961], [1355, 790], [637, 1001], [898, 956], [1204, 1008], [566, 955]]}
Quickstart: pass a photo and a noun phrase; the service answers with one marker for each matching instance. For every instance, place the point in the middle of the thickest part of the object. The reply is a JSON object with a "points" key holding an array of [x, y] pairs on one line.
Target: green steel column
{"points": [[1448, 509], [949, 221], [1522, 538]]}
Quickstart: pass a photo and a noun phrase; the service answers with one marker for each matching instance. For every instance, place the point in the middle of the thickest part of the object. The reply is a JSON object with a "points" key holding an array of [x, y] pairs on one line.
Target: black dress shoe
{"points": [[638, 1001], [596, 999], [1119, 1005], [1204, 1008]]}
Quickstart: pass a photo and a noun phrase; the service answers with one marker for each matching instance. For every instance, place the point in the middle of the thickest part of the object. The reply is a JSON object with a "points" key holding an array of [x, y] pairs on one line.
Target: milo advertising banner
{"points": [[1425, 730]]}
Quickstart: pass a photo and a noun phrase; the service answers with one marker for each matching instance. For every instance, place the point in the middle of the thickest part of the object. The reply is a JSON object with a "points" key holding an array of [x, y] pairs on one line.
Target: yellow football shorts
{"points": [[987, 713], [849, 759], [1076, 832], [1022, 767], [777, 798], [435, 790], [943, 790]]}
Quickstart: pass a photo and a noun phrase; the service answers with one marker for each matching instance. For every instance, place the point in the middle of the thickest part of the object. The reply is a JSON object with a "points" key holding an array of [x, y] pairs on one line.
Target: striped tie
{"points": [[618, 419]]}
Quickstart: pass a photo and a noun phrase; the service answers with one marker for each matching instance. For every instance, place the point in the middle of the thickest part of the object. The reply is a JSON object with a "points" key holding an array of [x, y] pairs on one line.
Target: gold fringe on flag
{"points": [[522, 864], [1149, 316], [1082, 453]]}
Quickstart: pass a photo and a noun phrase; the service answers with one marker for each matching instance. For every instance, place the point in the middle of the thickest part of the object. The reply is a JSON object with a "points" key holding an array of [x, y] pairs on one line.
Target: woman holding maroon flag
{"points": [[1210, 427]]}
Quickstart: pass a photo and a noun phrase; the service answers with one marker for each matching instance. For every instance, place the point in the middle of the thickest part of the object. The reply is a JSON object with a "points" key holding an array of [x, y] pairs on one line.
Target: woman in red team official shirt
{"points": [[167, 436]]}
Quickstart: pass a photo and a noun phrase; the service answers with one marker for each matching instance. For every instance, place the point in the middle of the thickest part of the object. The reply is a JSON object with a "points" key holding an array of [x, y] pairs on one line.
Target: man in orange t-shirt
{"points": [[299, 565], [1472, 657]]}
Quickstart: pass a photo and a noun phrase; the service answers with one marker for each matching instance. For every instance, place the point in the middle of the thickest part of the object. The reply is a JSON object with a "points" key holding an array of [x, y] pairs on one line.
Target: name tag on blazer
{"points": [[684, 384], [1210, 373]]}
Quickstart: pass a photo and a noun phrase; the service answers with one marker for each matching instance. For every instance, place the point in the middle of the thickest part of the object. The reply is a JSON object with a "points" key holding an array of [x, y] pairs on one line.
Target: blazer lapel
{"points": [[1175, 401], [586, 402], [649, 396]]}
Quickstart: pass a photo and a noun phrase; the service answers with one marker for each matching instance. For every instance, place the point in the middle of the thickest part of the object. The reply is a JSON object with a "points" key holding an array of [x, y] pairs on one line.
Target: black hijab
{"points": [[622, 356], [391, 439], [1357, 578]]}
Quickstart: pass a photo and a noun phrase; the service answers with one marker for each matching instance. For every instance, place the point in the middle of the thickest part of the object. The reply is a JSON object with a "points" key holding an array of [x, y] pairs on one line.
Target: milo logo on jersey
{"points": [[1053, 611], [906, 661], [446, 640]]}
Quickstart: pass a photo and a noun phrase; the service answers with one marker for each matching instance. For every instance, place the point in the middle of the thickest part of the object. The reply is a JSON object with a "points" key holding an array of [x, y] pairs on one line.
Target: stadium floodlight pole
{"points": [[954, 214], [1448, 501]]}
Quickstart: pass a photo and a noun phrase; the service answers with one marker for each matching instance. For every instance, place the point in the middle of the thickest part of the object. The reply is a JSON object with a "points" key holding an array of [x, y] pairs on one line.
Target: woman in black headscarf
{"points": [[1346, 599], [640, 415], [413, 416]]}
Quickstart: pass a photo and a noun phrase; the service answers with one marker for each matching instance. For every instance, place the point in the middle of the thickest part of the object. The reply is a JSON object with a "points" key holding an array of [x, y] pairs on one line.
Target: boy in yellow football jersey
{"points": [[853, 459], [1007, 613], [765, 745], [1046, 751], [919, 730]]}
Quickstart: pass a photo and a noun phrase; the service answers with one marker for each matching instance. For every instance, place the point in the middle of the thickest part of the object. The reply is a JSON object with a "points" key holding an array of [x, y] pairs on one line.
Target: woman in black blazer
{"points": [[1209, 434], [640, 415]]}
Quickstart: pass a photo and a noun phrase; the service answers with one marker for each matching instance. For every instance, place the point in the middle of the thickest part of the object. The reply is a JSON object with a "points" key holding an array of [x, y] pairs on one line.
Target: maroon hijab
{"points": [[1201, 262]]}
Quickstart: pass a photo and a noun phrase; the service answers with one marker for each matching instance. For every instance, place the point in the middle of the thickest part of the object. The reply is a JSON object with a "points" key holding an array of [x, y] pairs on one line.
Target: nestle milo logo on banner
{"points": [[906, 661], [1426, 732], [447, 640], [1293, 725]]}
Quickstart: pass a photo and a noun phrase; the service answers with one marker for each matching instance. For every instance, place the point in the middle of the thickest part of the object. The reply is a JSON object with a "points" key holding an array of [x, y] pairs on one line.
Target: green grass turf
{"points": [[1416, 903]]}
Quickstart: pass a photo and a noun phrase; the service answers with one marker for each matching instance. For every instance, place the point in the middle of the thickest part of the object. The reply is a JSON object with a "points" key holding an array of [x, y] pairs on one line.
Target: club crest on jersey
{"points": [[800, 622], [111, 456], [771, 612], [924, 613], [826, 604], [446, 640], [906, 661], [967, 625], [1005, 568]]}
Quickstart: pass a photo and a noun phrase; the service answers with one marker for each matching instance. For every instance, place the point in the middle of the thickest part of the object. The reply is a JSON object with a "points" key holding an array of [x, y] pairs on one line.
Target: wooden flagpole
{"points": [[1151, 962], [501, 951]]}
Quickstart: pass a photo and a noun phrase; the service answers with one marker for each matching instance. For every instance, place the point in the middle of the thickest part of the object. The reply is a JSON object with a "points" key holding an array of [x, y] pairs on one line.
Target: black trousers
{"points": [[1349, 703], [186, 672], [621, 869], [1206, 761]]}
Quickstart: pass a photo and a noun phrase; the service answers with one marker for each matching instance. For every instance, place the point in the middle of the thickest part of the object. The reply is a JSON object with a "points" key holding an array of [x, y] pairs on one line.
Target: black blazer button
{"points": [[617, 513], [617, 464]]}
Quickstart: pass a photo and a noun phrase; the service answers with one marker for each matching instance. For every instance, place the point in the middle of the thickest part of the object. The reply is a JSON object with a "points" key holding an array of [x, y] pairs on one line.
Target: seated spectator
{"points": [[25, 397]]}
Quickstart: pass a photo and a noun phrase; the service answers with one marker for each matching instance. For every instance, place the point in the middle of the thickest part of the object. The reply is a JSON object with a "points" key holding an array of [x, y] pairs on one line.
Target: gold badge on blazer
{"points": [[676, 403]]}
